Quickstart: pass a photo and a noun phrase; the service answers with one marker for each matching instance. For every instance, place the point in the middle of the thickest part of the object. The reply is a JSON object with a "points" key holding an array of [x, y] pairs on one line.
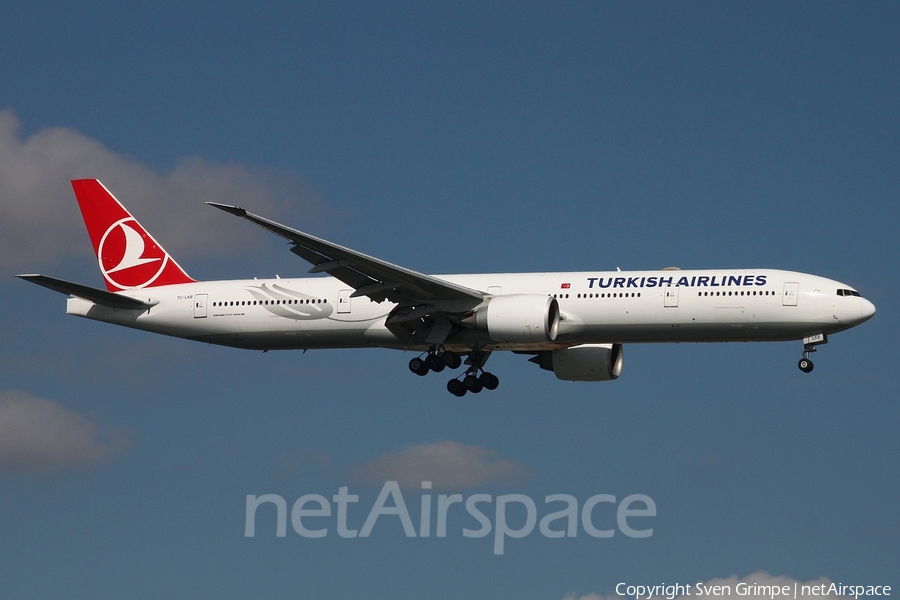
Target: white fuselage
{"points": [[595, 307]]}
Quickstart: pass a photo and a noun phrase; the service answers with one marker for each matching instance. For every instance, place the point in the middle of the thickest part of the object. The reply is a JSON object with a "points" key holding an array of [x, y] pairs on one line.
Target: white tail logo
{"points": [[134, 249], [127, 252]]}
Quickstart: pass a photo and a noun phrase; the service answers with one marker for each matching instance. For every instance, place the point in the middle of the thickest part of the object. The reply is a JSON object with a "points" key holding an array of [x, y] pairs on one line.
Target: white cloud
{"points": [[40, 436], [748, 591], [39, 218], [448, 465]]}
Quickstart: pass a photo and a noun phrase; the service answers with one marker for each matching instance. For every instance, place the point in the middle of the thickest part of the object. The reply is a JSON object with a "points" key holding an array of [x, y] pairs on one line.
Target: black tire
{"points": [[805, 365], [456, 387], [473, 384], [435, 363], [489, 381], [451, 359], [418, 366]]}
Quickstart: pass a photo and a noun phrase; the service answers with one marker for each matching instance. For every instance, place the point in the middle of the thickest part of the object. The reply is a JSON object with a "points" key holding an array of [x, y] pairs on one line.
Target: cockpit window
{"points": [[844, 292]]}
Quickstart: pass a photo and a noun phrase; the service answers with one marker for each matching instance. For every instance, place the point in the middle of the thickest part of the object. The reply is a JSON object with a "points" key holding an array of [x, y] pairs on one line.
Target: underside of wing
{"points": [[95, 295]]}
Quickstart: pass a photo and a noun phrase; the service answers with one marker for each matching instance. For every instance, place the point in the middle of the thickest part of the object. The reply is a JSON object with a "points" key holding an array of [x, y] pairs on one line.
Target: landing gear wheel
{"points": [[451, 359], [418, 366], [456, 387], [435, 363], [472, 384], [489, 381], [805, 365]]}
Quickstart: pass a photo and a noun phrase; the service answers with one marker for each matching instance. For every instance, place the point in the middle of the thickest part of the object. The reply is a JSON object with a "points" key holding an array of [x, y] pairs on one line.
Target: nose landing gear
{"points": [[809, 346]]}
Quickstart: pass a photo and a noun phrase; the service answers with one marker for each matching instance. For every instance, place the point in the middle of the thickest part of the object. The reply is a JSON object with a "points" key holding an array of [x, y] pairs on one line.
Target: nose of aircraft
{"points": [[866, 310]]}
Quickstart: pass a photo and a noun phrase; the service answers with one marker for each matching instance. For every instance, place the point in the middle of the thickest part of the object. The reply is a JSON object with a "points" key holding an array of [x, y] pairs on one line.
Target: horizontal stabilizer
{"points": [[97, 296]]}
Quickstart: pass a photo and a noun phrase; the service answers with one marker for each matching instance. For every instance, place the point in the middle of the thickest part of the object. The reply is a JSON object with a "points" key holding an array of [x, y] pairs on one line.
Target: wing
{"points": [[370, 276], [95, 295]]}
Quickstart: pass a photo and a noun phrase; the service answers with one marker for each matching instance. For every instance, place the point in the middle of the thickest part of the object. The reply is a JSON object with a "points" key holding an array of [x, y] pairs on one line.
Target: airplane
{"points": [[571, 323]]}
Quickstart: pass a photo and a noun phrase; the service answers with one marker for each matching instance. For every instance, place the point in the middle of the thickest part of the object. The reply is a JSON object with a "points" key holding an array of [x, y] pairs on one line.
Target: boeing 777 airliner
{"points": [[572, 323]]}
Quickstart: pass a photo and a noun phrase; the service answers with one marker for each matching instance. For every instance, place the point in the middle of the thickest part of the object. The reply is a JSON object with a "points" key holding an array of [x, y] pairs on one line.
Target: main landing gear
{"points": [[809, 346], [435, 360], [472, 382], [474, 379]]}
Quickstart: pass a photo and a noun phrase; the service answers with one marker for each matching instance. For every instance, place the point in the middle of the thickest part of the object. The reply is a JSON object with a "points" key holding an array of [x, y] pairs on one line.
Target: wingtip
{"points": [[235, 210]]}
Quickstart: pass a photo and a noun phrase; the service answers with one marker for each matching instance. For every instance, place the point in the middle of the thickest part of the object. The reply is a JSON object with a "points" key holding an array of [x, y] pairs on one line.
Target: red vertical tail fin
{"points": [[129, 257]]}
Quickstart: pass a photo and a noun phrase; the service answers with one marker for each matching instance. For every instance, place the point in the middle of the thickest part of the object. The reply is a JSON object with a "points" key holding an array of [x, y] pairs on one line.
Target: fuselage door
{"points": [[343, 306], [671, 300], [200, 306], [790, 293]]}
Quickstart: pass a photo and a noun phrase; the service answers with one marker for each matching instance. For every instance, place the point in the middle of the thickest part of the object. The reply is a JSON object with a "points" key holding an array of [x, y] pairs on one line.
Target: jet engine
{"points": [[588, 362], [519, 318]]}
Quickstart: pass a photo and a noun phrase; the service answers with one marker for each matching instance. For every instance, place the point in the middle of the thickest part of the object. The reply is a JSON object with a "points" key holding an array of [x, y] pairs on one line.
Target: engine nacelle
{"points": [[520, 318], [588, 362]]}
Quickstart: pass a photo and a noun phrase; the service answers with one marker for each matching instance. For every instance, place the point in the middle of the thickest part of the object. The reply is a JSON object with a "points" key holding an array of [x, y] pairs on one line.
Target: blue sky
{"points": [[448, 138]]}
